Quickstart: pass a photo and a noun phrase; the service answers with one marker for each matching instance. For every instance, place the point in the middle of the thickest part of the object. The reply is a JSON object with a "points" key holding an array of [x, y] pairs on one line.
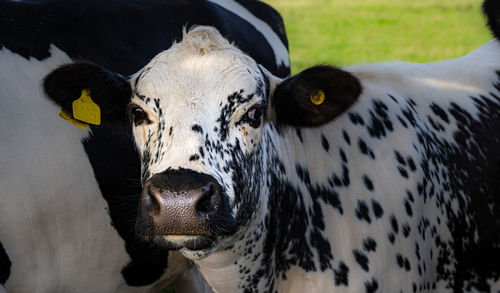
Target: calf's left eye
{"points": [[253, 116]]}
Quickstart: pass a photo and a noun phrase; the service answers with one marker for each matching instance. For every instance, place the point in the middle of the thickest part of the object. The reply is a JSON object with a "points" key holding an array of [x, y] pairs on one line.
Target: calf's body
{"points": [[373, 178], [400, 193]]}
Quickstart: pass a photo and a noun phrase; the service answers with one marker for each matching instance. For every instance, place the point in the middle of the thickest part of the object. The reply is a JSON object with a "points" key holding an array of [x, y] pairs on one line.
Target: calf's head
{"points": [[198, 112]]}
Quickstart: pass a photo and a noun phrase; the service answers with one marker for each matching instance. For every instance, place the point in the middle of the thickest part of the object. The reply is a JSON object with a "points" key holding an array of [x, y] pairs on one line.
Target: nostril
{"points": [[151, 201], [209, 200]]}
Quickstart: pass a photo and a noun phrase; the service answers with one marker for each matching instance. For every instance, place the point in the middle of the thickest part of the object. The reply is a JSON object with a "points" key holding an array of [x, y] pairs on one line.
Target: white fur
{"points": [[191, 79]]}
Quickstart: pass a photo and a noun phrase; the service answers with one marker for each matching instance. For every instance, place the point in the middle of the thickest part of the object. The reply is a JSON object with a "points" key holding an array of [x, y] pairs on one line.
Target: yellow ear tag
{"points": [[318, 97], [84, 109], [67, 116]]}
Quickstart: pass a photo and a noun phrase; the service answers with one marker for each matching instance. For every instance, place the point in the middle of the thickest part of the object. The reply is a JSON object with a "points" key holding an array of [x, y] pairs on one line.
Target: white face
{"points": [[189, 101], [200, 109]]}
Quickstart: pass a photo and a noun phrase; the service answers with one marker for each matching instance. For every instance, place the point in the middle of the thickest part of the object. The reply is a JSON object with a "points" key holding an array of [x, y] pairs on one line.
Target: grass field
{"points": [[342, 32]]}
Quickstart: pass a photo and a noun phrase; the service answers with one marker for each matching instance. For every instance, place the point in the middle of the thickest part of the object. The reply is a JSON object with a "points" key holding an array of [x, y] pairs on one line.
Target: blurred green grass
{"points": [[342, 32]]}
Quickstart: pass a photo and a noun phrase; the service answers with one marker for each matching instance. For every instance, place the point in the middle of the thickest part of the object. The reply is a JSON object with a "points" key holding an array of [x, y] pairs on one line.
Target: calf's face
{"points": [[194, 114], [198, 111]]}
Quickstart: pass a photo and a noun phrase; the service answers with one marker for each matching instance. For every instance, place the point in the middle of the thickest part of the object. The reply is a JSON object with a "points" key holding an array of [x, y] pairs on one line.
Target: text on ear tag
{"points": [[84, 109], [317, 97], [67, 116]]}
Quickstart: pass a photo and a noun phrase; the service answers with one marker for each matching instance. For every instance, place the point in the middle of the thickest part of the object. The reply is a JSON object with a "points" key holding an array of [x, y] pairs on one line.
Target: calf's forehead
{"points": [[189, 81]]}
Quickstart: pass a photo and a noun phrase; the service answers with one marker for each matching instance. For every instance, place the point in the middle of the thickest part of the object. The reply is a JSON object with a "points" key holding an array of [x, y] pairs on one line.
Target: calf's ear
{"points": [[314, 97], [109, 90]]}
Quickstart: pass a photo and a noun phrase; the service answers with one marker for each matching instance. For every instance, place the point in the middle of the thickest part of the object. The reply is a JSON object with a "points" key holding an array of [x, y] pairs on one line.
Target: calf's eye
{"points": [[254, 116], [137, 115]]}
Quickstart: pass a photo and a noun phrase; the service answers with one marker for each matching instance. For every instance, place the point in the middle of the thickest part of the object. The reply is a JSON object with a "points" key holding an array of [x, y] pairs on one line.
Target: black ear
{"points": [[109, 90], [315, 96], [491, 9]]}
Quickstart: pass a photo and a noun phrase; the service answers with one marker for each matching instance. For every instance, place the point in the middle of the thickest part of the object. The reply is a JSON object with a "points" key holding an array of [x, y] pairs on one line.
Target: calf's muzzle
{"points": [[182, 202]]}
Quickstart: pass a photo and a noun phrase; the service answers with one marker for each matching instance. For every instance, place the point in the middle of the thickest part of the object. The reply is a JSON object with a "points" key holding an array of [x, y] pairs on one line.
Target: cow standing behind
{"points": [[69, 197], [372, 178]]}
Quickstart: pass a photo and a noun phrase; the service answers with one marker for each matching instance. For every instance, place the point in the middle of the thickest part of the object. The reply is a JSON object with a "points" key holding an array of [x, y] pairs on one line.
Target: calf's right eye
{"points": [[137, 114]]}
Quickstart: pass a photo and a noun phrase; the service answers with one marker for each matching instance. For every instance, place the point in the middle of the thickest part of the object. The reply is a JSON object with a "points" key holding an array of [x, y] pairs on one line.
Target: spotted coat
{"points": [[394, 189], [398, 194]]}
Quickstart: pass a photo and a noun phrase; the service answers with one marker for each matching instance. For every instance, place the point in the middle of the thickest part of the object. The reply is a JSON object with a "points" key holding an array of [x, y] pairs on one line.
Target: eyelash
{"points": [[254, 115], [137, 115]]}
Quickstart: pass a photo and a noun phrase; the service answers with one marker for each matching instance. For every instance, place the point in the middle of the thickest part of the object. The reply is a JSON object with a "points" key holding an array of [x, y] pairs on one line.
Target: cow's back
{"points": [[402, 189], [124, 35], [425, 141]]}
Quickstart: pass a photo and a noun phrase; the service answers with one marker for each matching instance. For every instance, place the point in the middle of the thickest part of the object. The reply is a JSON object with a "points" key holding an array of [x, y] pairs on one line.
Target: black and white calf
{"points": [[372, 178], [67, 209]]}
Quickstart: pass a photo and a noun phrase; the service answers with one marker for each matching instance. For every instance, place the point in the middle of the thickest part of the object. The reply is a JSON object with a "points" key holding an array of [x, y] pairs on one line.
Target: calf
{"points": [[69, 197], [372, 178]]}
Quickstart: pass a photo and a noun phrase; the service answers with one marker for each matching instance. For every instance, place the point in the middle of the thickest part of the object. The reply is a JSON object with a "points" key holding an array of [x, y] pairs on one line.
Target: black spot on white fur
{"points": [[324, 143], [346, 136], [371, 286], [194, 157], [369, 244], [5, 265], [363, 212], [368, 183], [197, 128], [342, 275], [361, 259], [378, 211]]}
